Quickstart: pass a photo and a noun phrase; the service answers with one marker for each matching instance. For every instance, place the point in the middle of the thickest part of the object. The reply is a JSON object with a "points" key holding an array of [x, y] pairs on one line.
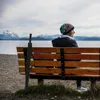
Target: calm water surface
{"points": [[9, 47]]}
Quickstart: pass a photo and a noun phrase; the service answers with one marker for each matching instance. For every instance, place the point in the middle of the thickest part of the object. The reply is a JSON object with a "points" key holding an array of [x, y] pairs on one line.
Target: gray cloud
{"points": [[88, 27], [75, 8], [23, 22], [47, 16], [6, 3]]}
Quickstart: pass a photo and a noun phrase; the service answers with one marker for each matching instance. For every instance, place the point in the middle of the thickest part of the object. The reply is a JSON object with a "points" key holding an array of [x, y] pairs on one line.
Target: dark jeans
{"points": [[93, 83], [78, 82]]}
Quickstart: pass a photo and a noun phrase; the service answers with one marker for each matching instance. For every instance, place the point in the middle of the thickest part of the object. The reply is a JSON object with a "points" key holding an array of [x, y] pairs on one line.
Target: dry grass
{"points": [[59, 91]]}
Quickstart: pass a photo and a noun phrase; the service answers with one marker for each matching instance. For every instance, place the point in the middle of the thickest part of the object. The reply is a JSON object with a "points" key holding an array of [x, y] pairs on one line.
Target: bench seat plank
{"points": [[39, 49], [70, 71], [82, 72], [81, 50], [66, 56], [48, 63], [42, 70], [57, 49]]}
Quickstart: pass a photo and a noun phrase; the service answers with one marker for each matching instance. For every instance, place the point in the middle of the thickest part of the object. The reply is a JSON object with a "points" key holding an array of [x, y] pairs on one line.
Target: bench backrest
{"points": [[57, 61]]}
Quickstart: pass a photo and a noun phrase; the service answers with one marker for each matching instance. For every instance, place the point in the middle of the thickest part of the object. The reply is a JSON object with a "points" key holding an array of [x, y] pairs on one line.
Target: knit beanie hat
{"points": [[66, 28]]}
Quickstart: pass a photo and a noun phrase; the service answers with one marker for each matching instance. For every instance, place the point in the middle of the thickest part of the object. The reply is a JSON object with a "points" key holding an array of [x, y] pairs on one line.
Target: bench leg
{"points": [[40, 81], [93, 84], [26, 81]]}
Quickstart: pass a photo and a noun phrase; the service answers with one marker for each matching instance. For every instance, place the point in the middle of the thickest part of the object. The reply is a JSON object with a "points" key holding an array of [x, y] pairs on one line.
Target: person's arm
{"points": [[74, 43], [53, 43]]}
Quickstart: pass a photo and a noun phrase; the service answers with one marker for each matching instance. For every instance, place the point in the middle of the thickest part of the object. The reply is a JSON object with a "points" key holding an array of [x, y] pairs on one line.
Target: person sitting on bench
{"points": [[66, 40]]}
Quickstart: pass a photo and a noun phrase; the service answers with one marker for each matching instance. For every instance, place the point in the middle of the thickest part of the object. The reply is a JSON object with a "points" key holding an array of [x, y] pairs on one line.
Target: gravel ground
{"points": [[11, 81]]}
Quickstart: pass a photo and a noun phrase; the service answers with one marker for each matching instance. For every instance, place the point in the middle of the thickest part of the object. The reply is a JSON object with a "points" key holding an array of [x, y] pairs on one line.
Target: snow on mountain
{"points": [[48, 36], [8, 35]]}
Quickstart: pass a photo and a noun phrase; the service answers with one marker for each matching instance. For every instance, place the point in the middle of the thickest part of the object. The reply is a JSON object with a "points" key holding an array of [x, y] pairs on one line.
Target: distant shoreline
{"points": [[46, 40], [51, 37]]}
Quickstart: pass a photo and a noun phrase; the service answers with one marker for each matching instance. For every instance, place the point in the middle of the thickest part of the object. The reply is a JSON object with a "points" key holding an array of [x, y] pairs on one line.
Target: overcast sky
{"points": [[46, 16]]}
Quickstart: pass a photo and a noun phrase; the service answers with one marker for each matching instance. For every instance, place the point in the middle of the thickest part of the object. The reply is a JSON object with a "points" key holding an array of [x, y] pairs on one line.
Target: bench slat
{"points": [[82, 56], [57, 49], [77, 72], [39, 49], [66, 56], [40, 63], [20, 49], [82, 64], [82, 72], [58, 63], [81, 50], [42, 70]]}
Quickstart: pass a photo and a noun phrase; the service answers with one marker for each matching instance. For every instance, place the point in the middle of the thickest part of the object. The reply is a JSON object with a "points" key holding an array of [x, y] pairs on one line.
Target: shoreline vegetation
{"points": [[12, 85]]}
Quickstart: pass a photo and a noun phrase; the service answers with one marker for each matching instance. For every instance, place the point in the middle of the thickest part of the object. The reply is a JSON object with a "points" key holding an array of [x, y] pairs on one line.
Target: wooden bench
{"points": [[59, 63]]}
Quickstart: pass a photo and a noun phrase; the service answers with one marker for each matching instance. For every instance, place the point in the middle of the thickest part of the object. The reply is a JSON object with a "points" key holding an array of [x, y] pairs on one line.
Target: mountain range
{"points": [[7, 35]]}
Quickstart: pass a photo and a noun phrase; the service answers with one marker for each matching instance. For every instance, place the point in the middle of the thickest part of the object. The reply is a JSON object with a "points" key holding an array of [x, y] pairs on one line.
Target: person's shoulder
{"points": [[56, 39], [72, 39], [69, 38], [64, 38]]}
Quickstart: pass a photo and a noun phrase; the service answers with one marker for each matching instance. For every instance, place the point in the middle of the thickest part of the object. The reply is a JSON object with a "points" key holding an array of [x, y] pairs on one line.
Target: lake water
{"points": [[9, 47]]}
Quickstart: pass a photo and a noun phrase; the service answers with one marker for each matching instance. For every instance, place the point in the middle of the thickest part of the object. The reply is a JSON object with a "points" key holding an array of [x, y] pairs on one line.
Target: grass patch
{"points": [[45, 89], [58, 90]]}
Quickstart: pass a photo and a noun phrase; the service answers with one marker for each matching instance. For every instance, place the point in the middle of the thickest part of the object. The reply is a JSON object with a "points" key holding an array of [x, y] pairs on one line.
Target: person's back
{"points": [[66, 40]]}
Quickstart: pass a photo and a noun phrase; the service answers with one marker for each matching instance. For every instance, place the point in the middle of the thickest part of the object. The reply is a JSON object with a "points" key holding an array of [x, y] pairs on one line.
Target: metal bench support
{"points": [[62, 62], [27, 54]]}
